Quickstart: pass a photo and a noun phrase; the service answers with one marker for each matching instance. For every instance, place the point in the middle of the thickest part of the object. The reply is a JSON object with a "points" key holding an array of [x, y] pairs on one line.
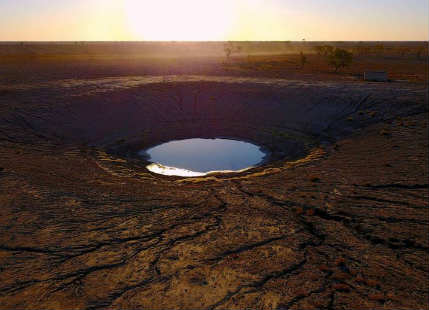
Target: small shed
{"points": [[375, 76]]}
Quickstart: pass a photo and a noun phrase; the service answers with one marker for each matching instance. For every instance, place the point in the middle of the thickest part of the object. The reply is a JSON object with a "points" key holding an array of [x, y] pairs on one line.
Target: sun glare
{"points": [[185, 20]]}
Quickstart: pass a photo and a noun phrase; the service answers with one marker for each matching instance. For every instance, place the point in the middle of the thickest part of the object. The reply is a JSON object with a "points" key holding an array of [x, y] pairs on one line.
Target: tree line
{"points": [[336, 57]]}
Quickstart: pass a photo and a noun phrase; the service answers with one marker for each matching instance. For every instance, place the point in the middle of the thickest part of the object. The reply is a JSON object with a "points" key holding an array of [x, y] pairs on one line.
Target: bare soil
{"points": [[338, 218]]}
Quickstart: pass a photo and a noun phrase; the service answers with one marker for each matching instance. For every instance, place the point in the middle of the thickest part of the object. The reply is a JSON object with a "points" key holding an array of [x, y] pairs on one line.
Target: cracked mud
{"points": [[337, 219]]}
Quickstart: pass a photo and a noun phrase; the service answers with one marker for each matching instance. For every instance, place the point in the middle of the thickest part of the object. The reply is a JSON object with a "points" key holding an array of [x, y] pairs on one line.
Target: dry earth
{"points": [[338, 219]]}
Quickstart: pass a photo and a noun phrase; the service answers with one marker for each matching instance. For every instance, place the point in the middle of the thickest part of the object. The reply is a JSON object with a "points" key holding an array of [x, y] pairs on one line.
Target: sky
{"points": [[214, 20]]}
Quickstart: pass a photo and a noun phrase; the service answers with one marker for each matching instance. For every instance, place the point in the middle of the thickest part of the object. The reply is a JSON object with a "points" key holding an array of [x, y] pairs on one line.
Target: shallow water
{"points": [[196, 157]]}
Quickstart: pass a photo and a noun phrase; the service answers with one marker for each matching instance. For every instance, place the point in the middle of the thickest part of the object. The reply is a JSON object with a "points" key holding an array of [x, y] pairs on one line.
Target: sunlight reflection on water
{"points": [[198, 157]]}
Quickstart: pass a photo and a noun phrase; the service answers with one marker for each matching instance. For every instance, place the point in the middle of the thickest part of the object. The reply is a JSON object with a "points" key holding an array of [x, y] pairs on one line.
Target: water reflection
{"points": [[197, 157]]}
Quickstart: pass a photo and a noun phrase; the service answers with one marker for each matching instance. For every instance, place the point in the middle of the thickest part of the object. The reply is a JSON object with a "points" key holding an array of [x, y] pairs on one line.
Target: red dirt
{"points": [[342, 225]]}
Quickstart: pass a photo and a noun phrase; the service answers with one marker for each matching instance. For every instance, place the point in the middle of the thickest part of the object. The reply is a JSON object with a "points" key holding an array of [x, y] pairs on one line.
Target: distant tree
{"points": [[228, 48], [340, 58], [227, 51], [302, 59], [419, 52], [327, 50], [319, 49]]}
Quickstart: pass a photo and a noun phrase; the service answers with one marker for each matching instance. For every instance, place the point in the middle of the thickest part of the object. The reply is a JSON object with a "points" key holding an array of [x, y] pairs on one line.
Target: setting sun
{"points": [[187, 20]]}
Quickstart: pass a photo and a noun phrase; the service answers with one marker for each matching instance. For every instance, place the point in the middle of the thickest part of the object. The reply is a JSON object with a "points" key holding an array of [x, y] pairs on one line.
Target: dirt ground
{"points": [[337, 219]]}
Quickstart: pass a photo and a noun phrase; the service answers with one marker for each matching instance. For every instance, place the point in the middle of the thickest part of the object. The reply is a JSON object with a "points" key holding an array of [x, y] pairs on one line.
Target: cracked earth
{"points": [[338, 219]]}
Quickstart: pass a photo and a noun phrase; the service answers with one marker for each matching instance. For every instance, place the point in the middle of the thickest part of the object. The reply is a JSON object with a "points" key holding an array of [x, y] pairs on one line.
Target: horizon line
{"points": [[197, 41]]}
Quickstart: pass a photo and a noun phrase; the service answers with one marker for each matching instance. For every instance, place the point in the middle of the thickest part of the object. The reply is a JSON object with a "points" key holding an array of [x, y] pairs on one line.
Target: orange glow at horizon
{"points": [[185, 20], [213, 20]]}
